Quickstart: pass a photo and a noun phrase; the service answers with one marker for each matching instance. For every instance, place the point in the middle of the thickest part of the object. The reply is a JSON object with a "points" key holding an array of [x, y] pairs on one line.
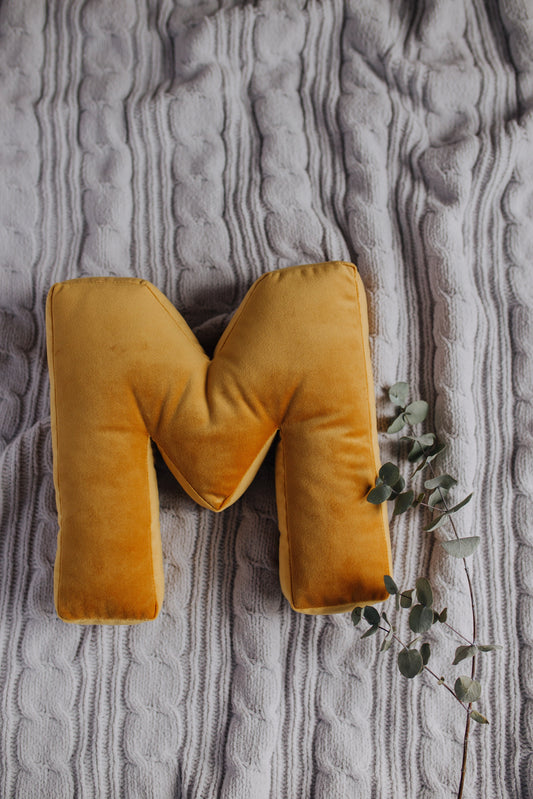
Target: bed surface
{"points": [[199, 145]]}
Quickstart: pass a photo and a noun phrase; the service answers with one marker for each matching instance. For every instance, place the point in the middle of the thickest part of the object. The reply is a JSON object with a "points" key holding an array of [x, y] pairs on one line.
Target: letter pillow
{"points": [[126, 368]]}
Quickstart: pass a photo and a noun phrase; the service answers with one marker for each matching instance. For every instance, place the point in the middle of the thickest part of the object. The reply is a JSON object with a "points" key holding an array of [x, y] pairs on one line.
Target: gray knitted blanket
{"points": [[198, 145]]}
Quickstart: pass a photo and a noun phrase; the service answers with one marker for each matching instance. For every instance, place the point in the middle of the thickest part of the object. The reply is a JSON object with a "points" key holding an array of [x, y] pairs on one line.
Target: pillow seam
{"points": [[56, 436]]}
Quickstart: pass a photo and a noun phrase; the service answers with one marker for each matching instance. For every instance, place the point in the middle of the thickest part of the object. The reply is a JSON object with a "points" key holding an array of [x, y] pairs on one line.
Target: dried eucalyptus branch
{"points": [[390, 485]]}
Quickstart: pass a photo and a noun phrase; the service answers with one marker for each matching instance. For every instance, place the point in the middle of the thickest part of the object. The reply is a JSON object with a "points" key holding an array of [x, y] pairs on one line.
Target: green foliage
{"points": [[429, 496], [379, 494], [420, 619], [410, 662], [466, 689], [463, 652], [403, 502], [424, 594], [398, 394], [357, 615], [416, 412], [461, 547], [371, 615]]}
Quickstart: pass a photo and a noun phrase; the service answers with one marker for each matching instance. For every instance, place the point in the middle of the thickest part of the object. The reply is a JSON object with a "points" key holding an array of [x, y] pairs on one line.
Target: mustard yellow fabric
{"points": [[126, 368]]}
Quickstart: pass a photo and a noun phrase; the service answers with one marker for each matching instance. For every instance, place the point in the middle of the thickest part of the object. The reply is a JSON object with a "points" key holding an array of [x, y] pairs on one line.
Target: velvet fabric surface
{"points": [[125, 369]]}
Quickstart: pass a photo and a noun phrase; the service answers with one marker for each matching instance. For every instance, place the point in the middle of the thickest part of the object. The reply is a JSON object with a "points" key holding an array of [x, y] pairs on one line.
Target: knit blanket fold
{"points": [[198, 146]]}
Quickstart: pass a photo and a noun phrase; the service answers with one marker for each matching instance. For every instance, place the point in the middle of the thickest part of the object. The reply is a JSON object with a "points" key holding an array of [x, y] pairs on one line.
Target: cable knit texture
{"points": [[198, 145]]}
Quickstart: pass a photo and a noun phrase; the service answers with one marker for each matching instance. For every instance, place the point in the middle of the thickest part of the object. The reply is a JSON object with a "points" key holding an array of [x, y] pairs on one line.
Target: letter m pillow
{"points": [[125, 369]]}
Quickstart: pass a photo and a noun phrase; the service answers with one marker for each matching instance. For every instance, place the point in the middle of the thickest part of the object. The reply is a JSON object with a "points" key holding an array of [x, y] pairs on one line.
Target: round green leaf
{"points": [[390, 585], [420, 619], [403, 502], [440, 447], [424, 594], [441, 481], [443, 615], [397, 425], [406, 598], [371, 631], [371, 615], [461, 547], [398, 394], [463, 652], [379, 494], [420, 447], [399, 485], [356, 615], [387, 641], [461, 504], [425, 652], [416, 412], [478, 717], [466, 689], [437, 522], [418, 500], [389, 473], [410, 662], [439, 495]]}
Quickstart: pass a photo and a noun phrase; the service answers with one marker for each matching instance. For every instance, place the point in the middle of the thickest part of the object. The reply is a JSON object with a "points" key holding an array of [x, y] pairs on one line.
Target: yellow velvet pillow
{"points": [[126, 368]]}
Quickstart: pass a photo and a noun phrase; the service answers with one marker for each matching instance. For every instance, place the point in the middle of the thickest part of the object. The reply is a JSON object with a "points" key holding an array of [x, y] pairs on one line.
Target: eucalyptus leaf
{"points": [[478, 717], [371, 615], [397, 425], [425, 652], [422, 465], [461, 504], [389, 473], [416, 412], [398, 394], [443, 615], [399, 485], [379, 494], [420, 618], [438, 522], [439, 495], [440, 447], [441, 481], [466, 689], [390, 585], [385, 618], [403, 502], [488, 647], [461, 547], [387, 641], [424, 594], [406, 599], [410, 662], [420, 447], [356, 615], [464, 652], [419, 499], [371, 631]]}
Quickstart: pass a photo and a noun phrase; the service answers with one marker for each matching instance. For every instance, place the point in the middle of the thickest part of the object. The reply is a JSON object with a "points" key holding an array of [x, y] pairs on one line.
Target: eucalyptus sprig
{"points": [[432, 495]]}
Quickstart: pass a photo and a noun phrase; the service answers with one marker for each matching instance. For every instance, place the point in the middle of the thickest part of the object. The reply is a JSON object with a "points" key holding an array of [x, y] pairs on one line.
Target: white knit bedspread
{"points": [[198, 145]]}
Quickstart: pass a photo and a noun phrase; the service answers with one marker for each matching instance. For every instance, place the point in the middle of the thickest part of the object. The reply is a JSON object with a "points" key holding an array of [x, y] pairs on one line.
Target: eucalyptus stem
{"points": [[426, 668], [390, 485], [473, 664]]}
